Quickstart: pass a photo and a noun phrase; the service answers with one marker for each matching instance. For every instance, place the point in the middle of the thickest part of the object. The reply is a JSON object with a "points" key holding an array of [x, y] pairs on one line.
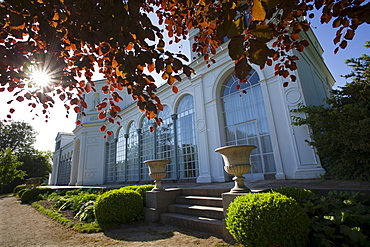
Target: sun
{"points": [[40, 78]]}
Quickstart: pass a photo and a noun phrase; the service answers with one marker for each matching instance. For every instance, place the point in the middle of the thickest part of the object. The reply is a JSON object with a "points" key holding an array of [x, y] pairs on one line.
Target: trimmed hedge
{"points": [[118, 206], [32, 194], [267, 219], [142, 189]]}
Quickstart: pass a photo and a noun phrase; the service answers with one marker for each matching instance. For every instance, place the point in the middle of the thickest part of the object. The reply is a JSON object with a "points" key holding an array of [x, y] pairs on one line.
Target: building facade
{"points": [[207, 113]]}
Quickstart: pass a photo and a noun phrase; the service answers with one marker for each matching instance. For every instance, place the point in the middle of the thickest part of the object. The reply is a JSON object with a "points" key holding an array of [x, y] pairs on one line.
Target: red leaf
{"points": [[102, 115], [102, 128], [2, 89], [78, 122], [11, 110], [293, 78], [343, 44], [109, 133], [285, 84], [87, 88], [20, 98], [175, 89], [62, 97], [77, 109], [238, 87], [151, 128]]}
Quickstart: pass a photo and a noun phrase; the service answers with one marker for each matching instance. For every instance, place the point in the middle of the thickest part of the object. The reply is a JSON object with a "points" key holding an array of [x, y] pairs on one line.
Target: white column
{"points": [[201, 130]]}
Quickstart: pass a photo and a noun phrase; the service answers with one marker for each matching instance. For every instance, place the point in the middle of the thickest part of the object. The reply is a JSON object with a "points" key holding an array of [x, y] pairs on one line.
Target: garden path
{"points": [[21, 225]]}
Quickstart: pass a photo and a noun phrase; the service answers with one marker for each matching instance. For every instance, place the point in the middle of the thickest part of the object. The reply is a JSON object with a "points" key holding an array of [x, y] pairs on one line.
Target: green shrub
{"points": [[29, 195], [340, 219], [118, 206], [298, 194], [267, 219], [142, 189], [19, 188], [32, 194]]}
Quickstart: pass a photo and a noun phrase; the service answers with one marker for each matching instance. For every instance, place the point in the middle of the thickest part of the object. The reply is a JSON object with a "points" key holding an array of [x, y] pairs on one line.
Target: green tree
{"points": [[68, 38], [18, 136], [36, 164], [9, 165], [341, 129]]}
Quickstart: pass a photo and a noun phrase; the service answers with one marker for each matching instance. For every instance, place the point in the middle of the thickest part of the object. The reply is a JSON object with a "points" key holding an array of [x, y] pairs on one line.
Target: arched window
{"points": [[146, 148], [166, 142], [246, 121], [132, 159], [110, 159], [186, 140]]}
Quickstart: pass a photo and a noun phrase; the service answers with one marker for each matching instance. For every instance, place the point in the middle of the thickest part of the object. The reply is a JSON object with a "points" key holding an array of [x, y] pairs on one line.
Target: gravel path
{"points": [[22, 225]]}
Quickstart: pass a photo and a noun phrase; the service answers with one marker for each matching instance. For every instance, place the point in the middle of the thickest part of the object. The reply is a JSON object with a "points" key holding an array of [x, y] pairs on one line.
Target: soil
{"points": [[22, 225]]}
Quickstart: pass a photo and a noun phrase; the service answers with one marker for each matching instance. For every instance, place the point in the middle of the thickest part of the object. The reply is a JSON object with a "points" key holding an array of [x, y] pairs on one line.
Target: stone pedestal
{"points": [[158, 201]]}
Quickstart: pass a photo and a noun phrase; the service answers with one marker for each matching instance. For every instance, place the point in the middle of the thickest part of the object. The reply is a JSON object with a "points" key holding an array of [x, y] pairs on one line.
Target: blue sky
{"points": [[335, 62], [58, 121]]}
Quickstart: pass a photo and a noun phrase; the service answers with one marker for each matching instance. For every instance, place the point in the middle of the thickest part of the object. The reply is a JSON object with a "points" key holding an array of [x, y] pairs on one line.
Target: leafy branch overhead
{"points": [[73, 38]]}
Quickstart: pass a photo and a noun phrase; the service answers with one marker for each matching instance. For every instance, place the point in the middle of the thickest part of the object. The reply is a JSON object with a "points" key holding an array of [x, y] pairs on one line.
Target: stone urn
{"points": [[237, 162], [157, 171]]}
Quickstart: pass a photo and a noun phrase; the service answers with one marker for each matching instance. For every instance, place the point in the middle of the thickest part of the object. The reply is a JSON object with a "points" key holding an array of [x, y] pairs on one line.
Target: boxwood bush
{"points": [[267, 219], [142, 189], [118, 206], [32, 194]]}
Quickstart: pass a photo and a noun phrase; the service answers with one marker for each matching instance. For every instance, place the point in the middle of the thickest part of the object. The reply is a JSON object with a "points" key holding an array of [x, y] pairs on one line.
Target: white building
{"points": [[207, 113]]}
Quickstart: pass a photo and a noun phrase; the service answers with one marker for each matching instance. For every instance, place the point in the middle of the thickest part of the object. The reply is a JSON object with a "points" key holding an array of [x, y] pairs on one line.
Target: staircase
{"points": [[197, 209]]}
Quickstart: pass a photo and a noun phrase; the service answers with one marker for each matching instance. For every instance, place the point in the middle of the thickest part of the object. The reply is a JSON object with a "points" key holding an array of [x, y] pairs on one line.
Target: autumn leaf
{"points": [[102, 115], [236, 47], [258, 12], [242, 69], [258, 52], [175, 89], [151, 67], [263, 33]]}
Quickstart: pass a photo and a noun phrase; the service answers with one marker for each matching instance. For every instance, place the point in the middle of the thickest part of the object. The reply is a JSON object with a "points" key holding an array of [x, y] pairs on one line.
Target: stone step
{"points": [[204, 192], [200, 200], [204, 224], [197, 210]]}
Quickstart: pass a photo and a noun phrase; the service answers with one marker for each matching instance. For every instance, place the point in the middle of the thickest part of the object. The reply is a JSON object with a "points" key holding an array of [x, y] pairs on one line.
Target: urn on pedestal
{"points": [[236, 159], [157, 171]]}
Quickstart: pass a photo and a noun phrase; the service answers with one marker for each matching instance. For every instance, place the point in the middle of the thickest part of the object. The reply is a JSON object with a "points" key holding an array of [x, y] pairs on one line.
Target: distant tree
{"points": [[9, 165], [67, 38], [36, 164], [341, 130], [18, 136]]}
